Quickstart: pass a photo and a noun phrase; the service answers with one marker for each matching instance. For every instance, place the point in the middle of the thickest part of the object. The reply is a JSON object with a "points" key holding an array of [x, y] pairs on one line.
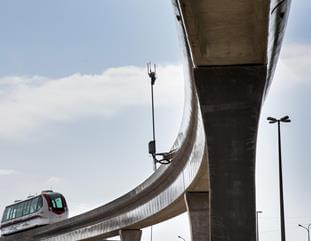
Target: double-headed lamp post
{"points": [[273, 120], [306, 228]]}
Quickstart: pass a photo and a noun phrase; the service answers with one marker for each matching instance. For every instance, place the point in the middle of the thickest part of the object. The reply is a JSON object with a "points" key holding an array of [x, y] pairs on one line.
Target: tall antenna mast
{"points": [[152, 143], [166, 156]]}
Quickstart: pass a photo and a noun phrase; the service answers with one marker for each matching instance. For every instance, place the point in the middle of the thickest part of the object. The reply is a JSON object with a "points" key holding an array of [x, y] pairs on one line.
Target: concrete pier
{"points": [[230, 99], [130, 234], [199, 212]]}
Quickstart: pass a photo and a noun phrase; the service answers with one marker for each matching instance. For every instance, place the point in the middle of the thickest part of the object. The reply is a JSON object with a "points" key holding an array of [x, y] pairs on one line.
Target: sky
{"points": [[75, 104]]}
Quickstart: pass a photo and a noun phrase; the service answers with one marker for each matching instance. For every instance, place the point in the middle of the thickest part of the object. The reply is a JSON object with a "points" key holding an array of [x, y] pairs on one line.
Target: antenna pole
{"points": [[152, 144], [166, 156], [152, 109]]}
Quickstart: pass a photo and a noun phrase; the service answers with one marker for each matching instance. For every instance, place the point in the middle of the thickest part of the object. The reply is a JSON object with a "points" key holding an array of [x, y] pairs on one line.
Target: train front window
{"points": [[57, 202]]}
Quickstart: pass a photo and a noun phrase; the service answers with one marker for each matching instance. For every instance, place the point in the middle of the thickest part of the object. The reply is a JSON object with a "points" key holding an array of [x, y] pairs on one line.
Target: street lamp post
{"points": [[257, 226], [306, 228], [272, 121]]}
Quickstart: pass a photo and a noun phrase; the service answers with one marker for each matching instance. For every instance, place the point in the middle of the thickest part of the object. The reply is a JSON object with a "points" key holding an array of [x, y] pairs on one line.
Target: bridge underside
{"points": [[226, 32]]}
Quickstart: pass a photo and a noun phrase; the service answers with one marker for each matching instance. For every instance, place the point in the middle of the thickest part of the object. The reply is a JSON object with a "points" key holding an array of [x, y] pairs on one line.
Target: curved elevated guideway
{"points": [[231, 48]]}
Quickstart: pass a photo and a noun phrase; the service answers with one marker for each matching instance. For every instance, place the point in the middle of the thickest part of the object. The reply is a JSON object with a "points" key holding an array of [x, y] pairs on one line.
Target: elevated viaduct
{"points": [[231, 50]]}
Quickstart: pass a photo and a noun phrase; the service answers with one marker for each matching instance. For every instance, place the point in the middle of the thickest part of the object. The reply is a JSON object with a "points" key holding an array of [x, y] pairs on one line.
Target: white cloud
{"points": [[7, 172], [53, 181], [294, 67], [29, 102]]}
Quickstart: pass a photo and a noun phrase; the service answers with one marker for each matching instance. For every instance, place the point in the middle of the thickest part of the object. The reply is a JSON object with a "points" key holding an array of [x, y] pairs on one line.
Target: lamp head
{"points": [[285, 119], [272, 120]]}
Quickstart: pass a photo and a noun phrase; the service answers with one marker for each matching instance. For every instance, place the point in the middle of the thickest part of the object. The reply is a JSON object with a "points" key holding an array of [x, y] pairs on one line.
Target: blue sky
{"points": [[74, 98], [59, 38]]}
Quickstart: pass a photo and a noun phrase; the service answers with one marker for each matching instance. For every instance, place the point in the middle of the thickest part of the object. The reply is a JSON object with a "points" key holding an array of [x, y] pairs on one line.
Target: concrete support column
{"points": [[130, 234], [198, 211], [230, 99]]}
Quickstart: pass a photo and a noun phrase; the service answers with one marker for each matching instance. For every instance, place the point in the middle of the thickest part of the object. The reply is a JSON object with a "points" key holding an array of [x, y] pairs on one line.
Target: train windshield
{"points": [[57, 202]]}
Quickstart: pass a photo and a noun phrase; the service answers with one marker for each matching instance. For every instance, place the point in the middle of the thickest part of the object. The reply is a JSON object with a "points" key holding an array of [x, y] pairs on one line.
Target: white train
{"points": [[46, 208]]}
